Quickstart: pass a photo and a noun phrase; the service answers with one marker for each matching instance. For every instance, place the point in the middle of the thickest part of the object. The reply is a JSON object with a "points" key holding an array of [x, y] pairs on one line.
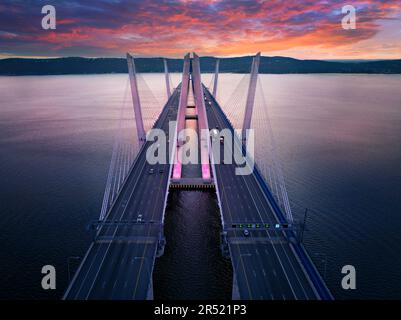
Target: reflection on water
{"points": [[339, 138], [192, 266]]}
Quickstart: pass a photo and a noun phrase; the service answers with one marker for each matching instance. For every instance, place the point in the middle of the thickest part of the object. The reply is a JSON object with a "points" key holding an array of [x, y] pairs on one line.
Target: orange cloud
{"points": [[219, 27]]}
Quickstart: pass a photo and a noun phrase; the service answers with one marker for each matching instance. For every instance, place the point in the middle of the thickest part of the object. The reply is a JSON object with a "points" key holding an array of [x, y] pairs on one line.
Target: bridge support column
{"points": [[235, 291], [149, 295], [167, 76], [135, 100], [250, 100], [177, 169], [216, 78], [225, 249], [161, 244], [203, 125]]}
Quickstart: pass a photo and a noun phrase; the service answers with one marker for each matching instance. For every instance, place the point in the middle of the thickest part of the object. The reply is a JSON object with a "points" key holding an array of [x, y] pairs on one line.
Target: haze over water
{"points": [[339, 140]]}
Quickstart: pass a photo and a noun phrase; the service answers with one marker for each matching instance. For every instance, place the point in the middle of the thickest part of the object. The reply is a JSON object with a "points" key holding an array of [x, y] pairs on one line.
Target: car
{"points": [[139, 218], [246, 233], [215, 134], [151, 171]]}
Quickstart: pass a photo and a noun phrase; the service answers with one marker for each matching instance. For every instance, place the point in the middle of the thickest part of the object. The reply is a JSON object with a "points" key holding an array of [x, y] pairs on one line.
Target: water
{"points": [[340, 145], [192, 266]]}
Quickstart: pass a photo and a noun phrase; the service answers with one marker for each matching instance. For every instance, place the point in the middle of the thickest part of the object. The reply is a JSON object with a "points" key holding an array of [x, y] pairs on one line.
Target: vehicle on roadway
{"points": [[246, 233], [151, 171], [214, 134], [139, 218]]}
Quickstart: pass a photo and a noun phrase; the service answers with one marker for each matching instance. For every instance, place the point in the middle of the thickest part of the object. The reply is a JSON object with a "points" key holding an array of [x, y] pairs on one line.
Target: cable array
{"points": [[126, 145]]}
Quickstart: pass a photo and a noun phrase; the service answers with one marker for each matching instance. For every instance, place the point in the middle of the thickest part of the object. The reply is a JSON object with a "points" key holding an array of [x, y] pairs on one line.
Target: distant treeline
{"points": [[276, 65]]}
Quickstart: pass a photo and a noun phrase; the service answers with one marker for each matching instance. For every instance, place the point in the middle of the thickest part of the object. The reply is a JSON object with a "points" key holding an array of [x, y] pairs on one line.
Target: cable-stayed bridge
{"points": [[259, 233]]}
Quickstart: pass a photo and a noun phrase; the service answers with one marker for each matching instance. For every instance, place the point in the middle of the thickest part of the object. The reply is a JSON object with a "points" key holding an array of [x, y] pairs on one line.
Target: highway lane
{"points": [[264, 269], [119, 263]]}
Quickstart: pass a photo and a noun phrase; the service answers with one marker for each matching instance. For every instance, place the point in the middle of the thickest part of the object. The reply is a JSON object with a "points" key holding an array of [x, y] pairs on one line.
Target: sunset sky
{"points": [[308, 29]]}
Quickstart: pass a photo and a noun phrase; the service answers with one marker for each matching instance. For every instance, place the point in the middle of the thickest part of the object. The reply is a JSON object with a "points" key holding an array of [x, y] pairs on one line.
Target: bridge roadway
{"points": [[265, 264], [119, 262]]}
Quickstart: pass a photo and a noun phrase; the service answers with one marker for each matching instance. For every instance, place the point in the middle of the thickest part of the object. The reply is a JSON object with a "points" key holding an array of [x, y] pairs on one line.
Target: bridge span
{"points": [[268, 260], [119, 262]]}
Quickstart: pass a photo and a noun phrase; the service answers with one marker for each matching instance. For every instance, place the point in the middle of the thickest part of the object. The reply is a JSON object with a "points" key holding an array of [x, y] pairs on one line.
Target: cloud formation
{"points": [[303, 29]]}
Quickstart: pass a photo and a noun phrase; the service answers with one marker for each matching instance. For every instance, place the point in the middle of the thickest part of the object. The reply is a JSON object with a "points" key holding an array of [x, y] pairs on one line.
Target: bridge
{"points": [[259, 234]]}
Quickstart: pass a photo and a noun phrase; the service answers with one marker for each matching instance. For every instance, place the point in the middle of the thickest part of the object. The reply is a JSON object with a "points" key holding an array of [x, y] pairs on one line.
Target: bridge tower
{"points": [[250, 100], [177, 169], [135, 99], [204, 141], [216, 77], [167, 76]]}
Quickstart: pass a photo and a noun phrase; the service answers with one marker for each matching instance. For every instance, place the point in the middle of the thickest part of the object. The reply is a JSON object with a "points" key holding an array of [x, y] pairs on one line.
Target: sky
{"points": [[308, 29]]}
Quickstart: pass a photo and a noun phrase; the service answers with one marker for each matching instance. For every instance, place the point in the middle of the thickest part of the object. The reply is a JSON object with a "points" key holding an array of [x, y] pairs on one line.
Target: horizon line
{"points": [[206, 56]]}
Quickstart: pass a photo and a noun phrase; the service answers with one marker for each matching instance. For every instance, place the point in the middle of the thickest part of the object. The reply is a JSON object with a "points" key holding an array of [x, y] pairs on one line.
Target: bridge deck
{"points": [[119, 262], [266, 269]]}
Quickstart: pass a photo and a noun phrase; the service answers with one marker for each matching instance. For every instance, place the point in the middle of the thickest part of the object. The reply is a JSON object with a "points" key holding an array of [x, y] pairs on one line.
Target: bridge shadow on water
{"points": [[192, 266]]}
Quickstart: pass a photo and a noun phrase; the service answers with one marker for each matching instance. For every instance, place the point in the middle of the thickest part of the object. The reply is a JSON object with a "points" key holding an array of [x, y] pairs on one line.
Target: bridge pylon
{"points": [[167, 76], [216, 78], [203, 125], [182, 104], [136, 101], [250, 100]]}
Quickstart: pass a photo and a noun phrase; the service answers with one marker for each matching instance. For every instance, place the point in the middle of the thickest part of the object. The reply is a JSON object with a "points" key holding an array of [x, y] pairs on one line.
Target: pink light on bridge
{"points": [[177, 168]]}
